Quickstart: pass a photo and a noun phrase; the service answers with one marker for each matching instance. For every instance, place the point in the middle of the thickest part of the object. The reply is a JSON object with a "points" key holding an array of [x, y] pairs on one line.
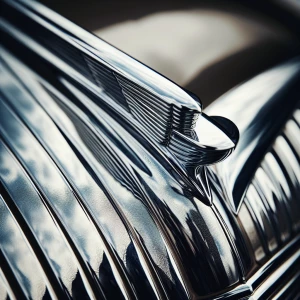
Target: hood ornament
{"points": [[195, 139], [170, 116], [211, 140]]}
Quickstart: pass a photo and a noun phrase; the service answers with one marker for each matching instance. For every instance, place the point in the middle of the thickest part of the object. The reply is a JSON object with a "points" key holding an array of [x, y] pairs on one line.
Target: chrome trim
{"points": [[158, 238], [264, 280], [171, 116], [269, 286], [135, 159], [260, 109], [290, 287], [275, 263]]}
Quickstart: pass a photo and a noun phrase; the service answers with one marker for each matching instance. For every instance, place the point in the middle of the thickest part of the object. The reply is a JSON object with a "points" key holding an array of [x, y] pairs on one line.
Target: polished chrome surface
{"points": [[129, 218], [168, 114], [268, 216], [104, 177], [272, 197], [259, 108], [271, 279], [114, 200], [290, 290], [256, 190], [277, 262]]}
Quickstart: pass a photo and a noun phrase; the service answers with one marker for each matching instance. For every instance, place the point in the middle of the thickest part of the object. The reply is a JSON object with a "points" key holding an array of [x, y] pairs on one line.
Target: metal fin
{"points": [[169, 115]]}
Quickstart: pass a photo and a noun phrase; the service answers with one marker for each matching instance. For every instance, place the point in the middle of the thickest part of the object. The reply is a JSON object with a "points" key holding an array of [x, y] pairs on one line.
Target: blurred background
{"points": [[207, 47]]}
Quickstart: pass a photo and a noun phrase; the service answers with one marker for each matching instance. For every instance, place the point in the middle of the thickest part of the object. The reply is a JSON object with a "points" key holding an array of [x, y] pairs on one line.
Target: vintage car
{"points": [[116, 183]]}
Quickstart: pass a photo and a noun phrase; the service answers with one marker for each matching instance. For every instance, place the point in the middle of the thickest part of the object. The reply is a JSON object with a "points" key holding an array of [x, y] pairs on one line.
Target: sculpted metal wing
{"points": [[160, 110]]}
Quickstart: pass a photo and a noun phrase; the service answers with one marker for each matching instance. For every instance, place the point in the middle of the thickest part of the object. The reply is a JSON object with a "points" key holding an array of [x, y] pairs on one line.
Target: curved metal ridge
{"points": [[128, 218], [170, 115], [91, 191], [63, 233], [210, 143], [272, 277], [11, 267], [269, 215], [270, 212], [268, 102], [257, 189], [272, 196]]}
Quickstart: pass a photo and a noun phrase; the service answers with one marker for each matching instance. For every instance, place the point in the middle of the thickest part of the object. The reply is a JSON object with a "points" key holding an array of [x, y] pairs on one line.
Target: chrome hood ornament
{"points": [[161, 111]]}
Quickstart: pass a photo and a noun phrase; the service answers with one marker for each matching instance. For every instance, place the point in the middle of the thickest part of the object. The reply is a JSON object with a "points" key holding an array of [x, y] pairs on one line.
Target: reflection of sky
{"points": [[133, 209], [61, 198], [24, 265], [37, 216], [166, 190], [5, 290], [165, 187], [102, 210], [44, 128]]}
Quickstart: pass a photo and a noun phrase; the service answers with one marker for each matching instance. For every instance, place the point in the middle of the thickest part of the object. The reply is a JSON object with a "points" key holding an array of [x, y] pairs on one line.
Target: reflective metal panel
{"points": [[260, 108], [105, 182], [106, 188]]}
